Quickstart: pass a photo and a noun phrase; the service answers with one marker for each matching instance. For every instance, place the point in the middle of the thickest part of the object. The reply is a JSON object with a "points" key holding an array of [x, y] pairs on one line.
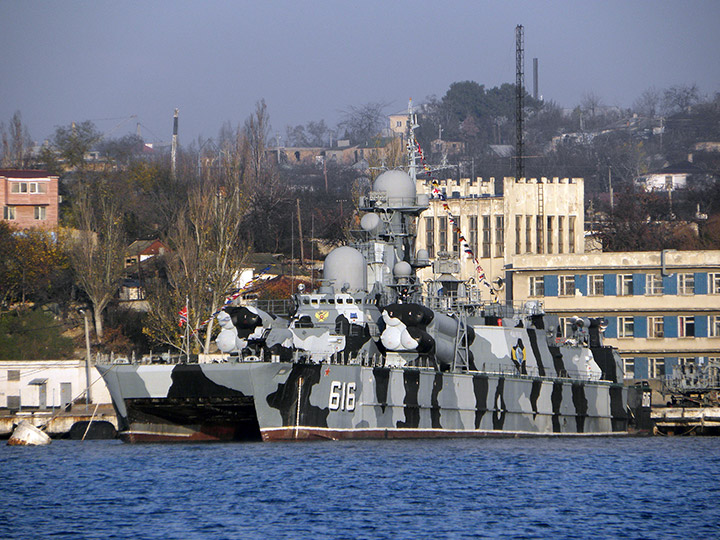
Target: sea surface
{"points": [[658, 487]]}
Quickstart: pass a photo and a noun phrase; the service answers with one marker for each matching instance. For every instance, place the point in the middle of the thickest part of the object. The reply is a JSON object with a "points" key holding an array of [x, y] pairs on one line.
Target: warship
{"points": [[375, 353]]}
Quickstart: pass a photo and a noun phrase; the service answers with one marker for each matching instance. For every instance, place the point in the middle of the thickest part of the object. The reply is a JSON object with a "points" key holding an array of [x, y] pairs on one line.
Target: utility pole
{"points": [[173, 153], [88, 395], [302, 249]]}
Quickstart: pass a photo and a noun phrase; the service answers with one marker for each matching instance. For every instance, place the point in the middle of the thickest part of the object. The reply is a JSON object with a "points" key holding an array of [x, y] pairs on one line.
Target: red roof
{"points": [[25, 173]]}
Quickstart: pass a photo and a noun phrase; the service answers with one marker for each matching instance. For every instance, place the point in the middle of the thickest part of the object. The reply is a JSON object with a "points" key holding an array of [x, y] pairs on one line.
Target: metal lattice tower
{"points": [[519, 100]]}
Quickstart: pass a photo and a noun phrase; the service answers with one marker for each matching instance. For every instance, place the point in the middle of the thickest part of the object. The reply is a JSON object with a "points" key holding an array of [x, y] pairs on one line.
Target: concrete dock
{"points": [[58, 423]]}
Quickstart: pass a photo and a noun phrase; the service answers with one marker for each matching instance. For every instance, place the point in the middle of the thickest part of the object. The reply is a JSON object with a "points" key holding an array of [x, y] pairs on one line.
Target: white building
{"points": [[46, 384]]}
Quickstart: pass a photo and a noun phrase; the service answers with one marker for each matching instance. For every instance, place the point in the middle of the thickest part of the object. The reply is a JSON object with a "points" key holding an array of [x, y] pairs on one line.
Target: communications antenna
{"points": [[519, 101]]}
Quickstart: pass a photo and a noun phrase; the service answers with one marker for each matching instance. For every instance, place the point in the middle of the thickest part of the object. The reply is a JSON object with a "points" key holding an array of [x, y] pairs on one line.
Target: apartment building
{"points": [[29, 198], [662, 308]]}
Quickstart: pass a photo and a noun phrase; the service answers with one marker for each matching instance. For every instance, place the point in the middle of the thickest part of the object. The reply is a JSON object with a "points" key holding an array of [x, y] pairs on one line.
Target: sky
{"points": [[119, 63]]}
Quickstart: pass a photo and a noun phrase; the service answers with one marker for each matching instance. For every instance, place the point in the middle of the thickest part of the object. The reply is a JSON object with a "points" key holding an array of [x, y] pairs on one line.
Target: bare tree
{"points": [[590, 103], [648, 103], [97, 249], [16, 143], [362, 124], [207, 253], [680, 98], [207, 240]]}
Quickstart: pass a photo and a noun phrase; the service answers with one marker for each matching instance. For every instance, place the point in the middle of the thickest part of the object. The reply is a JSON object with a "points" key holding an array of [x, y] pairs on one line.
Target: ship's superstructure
{"points": [[375, 353]]}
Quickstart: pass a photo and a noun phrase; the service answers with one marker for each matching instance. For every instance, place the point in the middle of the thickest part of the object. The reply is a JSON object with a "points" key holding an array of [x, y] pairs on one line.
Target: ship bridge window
{"points": [[350, 300], [314, 301], [340, 300], [323, 301], [331, 300], [306, 301]]}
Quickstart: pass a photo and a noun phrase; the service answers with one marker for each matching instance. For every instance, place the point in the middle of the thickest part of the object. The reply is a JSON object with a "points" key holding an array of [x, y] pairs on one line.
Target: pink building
{"points": [[29, 198]]}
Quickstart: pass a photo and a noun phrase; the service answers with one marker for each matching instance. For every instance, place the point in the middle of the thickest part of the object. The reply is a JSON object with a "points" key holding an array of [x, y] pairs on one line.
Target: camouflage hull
{"points": [[280, 401]]}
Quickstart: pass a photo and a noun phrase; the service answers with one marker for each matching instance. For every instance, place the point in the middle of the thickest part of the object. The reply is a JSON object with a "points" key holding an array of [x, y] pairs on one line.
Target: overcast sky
{"points": [[106, 60]]}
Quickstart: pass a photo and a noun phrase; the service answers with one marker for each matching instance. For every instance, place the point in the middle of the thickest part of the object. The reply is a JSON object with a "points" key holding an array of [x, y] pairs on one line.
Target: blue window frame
{"points": [[640, 327], [551, 285], [610, 284], [670, 284], [701, 283], [671, 326], [638, 284]]}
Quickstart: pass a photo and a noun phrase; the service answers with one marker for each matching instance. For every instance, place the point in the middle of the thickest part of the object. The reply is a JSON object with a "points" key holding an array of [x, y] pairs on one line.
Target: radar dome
{"points": [[397, 185], [345, 266], [370, 222], [402, 269]]}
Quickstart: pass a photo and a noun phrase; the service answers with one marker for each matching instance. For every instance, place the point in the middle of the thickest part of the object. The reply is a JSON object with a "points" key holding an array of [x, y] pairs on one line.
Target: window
{"points": [[442, 234], [629, 368], [537, 286], [567, 286], [596, 285], [714, 283], [624, 285], [40, 212], [13, 375], [566, 326], [561, 232], [528, 234], [42, 187], [654, 285], [486, 237], [549, 234], [714, 326], [499, 236], [430, 236], [686, 361], [539, 234], [686, 326], [656, 368], [9, 212], [571, 234], [686, 283], [15, 187], [33, 187], [656, 327], [518, 230], [626, 327], [474, 235]]}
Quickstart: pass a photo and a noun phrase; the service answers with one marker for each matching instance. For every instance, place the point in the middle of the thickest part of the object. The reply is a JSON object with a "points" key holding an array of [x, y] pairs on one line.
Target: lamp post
{"points": [[88, 395]]}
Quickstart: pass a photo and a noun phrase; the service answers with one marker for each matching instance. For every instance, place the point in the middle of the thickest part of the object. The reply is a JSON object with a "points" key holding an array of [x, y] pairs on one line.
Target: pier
{"points": [[59, 423]]}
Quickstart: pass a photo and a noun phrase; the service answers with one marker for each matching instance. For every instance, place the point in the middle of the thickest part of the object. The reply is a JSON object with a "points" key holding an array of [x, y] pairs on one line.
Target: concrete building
{"points": [[43, 384], [29, 198], [662, 308], [537, 216]]}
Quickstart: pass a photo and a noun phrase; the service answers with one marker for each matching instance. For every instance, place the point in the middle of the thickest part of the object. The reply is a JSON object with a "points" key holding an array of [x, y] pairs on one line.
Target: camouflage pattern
{"points": [[292, 400]]}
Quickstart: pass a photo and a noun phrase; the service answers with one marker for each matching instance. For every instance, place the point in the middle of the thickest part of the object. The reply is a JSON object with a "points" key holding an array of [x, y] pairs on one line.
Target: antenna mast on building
{"points": [[519, 101], [173, 154]]}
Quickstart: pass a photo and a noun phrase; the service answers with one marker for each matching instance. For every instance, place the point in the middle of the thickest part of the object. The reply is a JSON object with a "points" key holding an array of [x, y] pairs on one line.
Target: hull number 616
{"points": [[342, 396]]}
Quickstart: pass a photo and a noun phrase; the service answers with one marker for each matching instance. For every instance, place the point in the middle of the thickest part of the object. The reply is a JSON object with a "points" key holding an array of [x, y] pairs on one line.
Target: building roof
{"points": [[681, 167], [25, 173], [143, 247]]}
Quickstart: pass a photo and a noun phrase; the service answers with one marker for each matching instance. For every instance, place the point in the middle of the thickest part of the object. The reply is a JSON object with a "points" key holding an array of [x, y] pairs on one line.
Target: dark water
{"points": [[504, 488]]}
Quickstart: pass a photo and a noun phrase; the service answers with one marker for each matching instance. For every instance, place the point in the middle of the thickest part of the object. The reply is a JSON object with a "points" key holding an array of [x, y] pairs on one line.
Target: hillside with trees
{"points": [[230, 197]]}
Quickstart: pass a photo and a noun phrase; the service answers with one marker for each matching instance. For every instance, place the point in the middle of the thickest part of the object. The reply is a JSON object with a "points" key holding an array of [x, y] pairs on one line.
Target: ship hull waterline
{"points": [[290, 401]]}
